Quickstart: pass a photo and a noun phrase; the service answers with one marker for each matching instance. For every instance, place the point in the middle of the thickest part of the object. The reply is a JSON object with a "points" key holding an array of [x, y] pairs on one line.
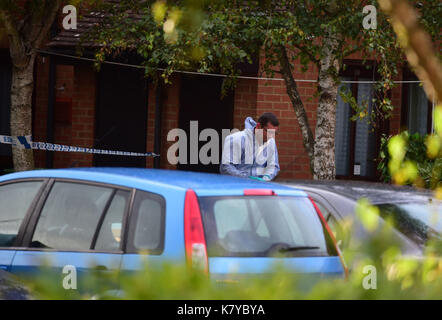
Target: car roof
{"points": [[204, 184], [375, 192]]}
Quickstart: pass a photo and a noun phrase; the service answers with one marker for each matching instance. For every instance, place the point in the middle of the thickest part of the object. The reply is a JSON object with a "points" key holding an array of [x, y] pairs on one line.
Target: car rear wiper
{"points": [[288, 249]]}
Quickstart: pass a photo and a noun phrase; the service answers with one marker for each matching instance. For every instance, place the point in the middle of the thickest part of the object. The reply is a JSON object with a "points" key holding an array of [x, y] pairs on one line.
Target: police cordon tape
{"points": [[25, 142]]}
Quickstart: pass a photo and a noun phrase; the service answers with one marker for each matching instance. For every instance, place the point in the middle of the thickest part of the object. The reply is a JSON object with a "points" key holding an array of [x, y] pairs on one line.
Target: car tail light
{"points": [[332, 236], [195, 242], [259, 192]]}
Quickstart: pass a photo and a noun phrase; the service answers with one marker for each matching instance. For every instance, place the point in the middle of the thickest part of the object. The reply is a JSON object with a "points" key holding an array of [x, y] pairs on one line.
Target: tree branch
{"points": [[309, 54], [16, 45], [295, 98], [40, 27], [357, 49], [10, 24]]}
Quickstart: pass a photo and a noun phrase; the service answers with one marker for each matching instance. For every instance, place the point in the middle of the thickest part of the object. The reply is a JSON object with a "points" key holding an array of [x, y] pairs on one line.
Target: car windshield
{"points": [[418, 221], [263, 226]]}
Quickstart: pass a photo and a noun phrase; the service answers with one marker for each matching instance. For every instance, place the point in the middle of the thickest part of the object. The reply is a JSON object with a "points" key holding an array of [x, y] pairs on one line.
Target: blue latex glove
{"points": [[256, 178]]}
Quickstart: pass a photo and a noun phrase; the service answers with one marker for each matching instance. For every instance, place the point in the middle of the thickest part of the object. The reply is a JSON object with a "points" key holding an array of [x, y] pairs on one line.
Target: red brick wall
{"points": [[272, 97], [150, 124], [79, 88], [396, 100], [83, 113], [245, 102], [63, 113]]}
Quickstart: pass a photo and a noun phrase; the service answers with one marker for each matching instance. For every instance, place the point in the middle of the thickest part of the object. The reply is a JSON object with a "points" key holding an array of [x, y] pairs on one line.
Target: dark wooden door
{"points": [[121, 116], [201, 100]]}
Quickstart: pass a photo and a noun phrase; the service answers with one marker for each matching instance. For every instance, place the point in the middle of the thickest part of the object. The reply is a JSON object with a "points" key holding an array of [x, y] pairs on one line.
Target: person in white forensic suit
{"points": [[252, 153]]}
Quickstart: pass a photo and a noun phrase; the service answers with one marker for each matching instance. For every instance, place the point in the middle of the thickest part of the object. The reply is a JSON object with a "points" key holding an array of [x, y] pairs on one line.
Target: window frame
{"points": [[38, 208], [18, 242], [132, 219], [355, 70], [408, 75]]}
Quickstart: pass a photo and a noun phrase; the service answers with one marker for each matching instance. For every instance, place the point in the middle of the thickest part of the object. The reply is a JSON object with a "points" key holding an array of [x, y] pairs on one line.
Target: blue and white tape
{"points": [[25, 142]]}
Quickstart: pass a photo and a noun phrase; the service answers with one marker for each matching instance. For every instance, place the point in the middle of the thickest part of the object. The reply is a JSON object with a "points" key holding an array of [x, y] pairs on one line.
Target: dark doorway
{"points": [[121, 116], [5, 107], [201, 101], [357, 143]]}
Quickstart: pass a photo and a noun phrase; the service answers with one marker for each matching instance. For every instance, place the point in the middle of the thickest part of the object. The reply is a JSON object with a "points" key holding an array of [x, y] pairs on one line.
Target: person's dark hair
{"points": [[268, 117]]}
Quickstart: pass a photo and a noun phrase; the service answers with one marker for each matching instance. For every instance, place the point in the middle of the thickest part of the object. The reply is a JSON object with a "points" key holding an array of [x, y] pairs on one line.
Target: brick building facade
{"points": [[251, 98], [76, 113]]}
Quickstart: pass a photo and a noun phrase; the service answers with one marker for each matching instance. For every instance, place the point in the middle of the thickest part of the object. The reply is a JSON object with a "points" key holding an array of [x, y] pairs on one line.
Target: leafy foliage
{"points": [[214, 36], [425, 164]]}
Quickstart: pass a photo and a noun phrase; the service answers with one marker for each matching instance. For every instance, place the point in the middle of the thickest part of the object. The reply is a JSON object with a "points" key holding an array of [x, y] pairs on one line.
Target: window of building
{"points": [[417, 109], [357, 142]]}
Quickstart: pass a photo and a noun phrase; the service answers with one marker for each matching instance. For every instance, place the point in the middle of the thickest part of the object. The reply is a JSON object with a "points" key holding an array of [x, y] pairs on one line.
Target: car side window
{"points": [[334, 225], [147, 223], [109, 238], [331, 221], [15, 200], [326, 214], [70, 216]]}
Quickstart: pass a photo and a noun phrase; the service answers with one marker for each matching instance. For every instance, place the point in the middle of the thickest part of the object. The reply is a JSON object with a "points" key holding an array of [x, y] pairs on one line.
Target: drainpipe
{"points": [[158, 118], [51, 111]]}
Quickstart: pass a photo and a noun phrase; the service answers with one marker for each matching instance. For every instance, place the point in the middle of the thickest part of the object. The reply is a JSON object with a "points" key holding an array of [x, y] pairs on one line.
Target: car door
{"points": [[78, 225], [17, 198]]}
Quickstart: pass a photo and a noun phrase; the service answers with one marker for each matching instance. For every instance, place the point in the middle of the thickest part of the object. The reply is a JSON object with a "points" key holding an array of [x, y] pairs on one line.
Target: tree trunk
{"points": [[25, 34], [21, 110], [324, 153], [295, 98]]}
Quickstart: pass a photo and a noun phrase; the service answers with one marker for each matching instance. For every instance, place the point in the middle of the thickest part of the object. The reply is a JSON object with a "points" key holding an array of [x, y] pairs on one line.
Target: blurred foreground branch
{"points": [[417, 45]]}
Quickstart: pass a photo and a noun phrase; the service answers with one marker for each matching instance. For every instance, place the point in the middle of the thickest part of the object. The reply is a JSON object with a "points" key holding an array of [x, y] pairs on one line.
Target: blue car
{"points": [[114, 218]]}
